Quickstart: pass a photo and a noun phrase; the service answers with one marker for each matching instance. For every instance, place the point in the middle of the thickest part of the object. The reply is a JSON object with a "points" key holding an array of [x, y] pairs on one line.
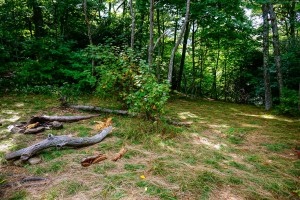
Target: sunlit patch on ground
{"points": [[205, 141], [185, 115], [5, 145], [19, 105]]}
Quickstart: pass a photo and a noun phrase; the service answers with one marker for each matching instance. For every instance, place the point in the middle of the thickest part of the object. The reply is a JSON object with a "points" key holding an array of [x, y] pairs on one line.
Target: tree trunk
{"points": [[268, 94], [151, 19], [276, 48], [178, 41], [193, 59], [132, 25], [215, 69], [181, 68], [37, 18], [88, 31]]}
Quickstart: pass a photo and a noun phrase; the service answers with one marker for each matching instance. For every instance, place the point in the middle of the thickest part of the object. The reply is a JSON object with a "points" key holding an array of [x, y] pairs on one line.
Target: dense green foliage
{"points": [[44, 47]]}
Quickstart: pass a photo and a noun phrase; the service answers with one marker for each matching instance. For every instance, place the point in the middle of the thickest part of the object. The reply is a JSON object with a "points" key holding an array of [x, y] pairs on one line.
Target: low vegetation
{"points": [[230, 151]]}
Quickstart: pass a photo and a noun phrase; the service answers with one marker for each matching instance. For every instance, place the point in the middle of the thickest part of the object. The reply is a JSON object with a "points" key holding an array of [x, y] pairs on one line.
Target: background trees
{"points": [[220, 56]]}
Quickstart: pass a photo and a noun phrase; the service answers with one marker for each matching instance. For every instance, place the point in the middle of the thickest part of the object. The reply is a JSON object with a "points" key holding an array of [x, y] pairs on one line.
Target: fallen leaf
{"points": [[101, 125], [142, 177]]}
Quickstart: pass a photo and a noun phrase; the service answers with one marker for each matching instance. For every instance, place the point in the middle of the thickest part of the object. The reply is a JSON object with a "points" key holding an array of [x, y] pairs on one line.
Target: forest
{"points": [[202, 98]]}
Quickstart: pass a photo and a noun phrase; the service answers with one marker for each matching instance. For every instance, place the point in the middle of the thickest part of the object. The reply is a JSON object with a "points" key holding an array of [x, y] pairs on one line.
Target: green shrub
{"points": [[289, 103], [124, 75]]}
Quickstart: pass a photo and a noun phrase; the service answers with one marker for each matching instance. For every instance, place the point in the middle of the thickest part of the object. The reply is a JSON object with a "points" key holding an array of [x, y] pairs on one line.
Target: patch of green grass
{"points": [[134, 167], [238, 166], [253, 158], [203, 184], [74, 187], [102, 169], [49, 155], [19, 195], [213, 163], [132, 153], [156, 190], [52, 194], [53, 167], [83, 131], [235, 139], [235, 180], [276, 147]]}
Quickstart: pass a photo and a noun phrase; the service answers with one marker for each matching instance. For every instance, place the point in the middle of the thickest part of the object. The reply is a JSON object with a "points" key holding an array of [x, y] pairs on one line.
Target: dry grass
{"points": [[230, 152]]}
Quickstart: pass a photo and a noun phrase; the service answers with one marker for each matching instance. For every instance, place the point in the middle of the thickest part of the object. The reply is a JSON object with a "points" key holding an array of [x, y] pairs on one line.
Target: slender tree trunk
{"points": [[181, 68], [299, 98], [268, 94], [178, 41], [225, 79], [193, 58], [150, 50], [37, 19], [293, 19], [159, 46], [276, 48], [88, 31], [215, 69], [132, 25]]}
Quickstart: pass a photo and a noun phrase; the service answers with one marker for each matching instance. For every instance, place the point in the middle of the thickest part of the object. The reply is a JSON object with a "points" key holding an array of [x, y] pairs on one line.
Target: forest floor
{"points": [[231, 151]]}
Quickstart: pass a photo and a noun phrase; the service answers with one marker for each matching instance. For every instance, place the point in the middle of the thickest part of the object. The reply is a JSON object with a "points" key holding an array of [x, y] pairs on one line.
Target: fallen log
{"points": [[45, 118], [57, 141], [99, 109], [24, 181], [124, 112]]}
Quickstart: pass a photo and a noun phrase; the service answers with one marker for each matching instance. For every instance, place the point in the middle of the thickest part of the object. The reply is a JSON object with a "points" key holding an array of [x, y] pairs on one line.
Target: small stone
{"points": [[34, 161], [57, 125], [18, 163]]}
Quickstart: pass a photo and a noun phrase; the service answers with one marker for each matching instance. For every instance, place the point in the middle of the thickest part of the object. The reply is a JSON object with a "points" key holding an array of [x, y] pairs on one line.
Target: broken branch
{"points": [[120, 154], [57, 141]]}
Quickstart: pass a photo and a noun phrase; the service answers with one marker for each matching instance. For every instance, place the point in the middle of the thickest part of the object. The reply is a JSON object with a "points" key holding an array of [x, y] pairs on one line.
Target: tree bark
{"points": [[268, 94], [178, 41], [276, 48], [132, 25], [99, 109], [151, 19], [88, 24], [181, 68], [45, 118], [57, 141]]}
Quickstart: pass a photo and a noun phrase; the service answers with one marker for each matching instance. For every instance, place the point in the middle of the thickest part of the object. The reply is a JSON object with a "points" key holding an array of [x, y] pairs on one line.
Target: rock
{"points": [[18, 163], [56, 125], [34, 161]]}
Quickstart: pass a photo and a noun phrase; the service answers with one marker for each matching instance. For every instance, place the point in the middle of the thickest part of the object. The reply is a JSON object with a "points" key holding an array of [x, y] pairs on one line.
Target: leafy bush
{"points": [[123, 74], [289, 103]]}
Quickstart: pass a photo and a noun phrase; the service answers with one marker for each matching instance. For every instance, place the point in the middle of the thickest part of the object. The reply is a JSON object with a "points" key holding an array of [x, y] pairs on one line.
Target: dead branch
{"points": [[85, 162], [34, 130], [120, 154], [99, 109], [57, 141], [45, 118]]}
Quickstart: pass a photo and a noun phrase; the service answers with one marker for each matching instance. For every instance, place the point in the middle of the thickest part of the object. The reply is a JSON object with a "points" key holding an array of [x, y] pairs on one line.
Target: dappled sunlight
{"points": [[266, 116], [19, 105], [250, 125], [201, 140], [185, 115], [218, 126], [12, 116], [6, 145]]}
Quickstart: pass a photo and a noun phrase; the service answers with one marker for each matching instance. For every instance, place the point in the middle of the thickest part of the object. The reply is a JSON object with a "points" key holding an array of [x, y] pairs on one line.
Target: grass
{"points": [[239, 149]]}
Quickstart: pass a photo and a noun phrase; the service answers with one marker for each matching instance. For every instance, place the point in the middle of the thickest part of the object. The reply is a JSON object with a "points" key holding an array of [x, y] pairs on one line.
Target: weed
{"points": [[74, 187], [277, 147], [156, 190], [102, 169], [19, 195], [54, 167], [134, 167], [238, 165]]}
